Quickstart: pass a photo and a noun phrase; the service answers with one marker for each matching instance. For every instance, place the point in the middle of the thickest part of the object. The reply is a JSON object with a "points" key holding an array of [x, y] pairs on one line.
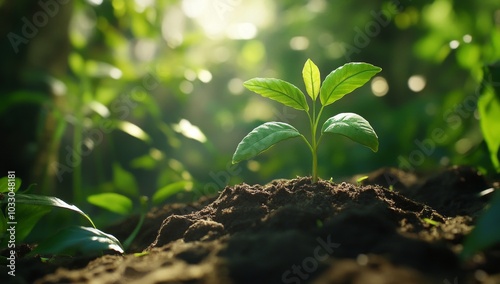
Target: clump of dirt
{"points": [[293, 231]]}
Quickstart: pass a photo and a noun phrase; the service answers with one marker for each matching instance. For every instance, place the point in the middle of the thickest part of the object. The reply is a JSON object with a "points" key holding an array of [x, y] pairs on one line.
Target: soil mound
{"points": [[292, 231]]}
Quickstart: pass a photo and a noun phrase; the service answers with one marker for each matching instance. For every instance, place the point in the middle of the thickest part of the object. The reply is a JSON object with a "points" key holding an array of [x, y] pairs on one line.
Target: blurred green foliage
{"points": [[21, 211], [151, 92]]}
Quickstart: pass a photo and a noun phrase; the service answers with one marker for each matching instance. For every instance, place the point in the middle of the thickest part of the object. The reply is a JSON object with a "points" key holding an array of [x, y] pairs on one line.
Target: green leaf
{"points": [[124, 181], [278, 90], [263, 137], [487, 232], [27, 216], [312, 79], [4, 184], [489, 113], [165, 192], [146, 162], [111, 201], [360, 180], [346, 79], [431, 222], [133, 130], [32, 199], [77, 239], [353, 127]]}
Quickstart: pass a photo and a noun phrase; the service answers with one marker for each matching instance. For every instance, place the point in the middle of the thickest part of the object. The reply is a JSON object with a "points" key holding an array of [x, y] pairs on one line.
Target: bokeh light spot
{"points": [[454, 44], [205, 76], [467, 38], [235, 86], [190, 75], [253, 166], [379, 86], [463, 145], [186, 87], [299, 43], [242, 31], [416, 83], [185, 128]]}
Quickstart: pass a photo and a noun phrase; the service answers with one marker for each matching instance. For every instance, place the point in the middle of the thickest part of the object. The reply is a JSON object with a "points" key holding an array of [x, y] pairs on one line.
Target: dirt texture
{"points": [[293, 231]]}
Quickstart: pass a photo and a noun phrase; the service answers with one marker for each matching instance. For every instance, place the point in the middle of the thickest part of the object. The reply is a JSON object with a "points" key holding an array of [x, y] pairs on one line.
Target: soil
{"points": [[293, 231]]}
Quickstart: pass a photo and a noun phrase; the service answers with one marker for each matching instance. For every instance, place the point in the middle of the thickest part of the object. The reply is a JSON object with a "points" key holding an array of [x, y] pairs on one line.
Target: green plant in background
{"points": [[486, 232], [336, 85], [489, 111], [30, 208], [123, 205]]}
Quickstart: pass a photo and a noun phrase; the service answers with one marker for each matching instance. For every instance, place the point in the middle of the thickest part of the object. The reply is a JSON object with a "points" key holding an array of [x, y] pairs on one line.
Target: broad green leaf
{"points": [[27, 216], [113, 202], [487, 232], [263, 137], [77, 239], [32, 199], [124, 181], [278, 90], [4, 184], [312, 79], [165, 192], [346, 79], [354, 127], [489, 113]]}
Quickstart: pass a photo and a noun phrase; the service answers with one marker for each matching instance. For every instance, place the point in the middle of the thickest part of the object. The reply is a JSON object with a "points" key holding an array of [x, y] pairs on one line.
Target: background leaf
{"points": [[278, 90], [354, 127], [489, 112], [4, 182], [113, 202], [263, 137], [312, 79], [32, 199], [77, 239], [27, 216], [487, 232], [133, 130], [346, 79], [165, 192], [124, 181]]}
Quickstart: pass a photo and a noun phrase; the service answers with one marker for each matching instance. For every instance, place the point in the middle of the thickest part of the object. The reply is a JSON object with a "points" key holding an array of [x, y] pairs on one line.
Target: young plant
{"points": [[336, 85]]}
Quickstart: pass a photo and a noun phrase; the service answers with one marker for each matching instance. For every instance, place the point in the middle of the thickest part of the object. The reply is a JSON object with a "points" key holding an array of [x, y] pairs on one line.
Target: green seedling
{"points": [[361, 180], [336, 85], [431, 222]]}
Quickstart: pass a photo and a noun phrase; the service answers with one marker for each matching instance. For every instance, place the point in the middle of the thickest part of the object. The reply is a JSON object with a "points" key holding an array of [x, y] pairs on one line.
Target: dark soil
{"points": [[292, 231]]}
